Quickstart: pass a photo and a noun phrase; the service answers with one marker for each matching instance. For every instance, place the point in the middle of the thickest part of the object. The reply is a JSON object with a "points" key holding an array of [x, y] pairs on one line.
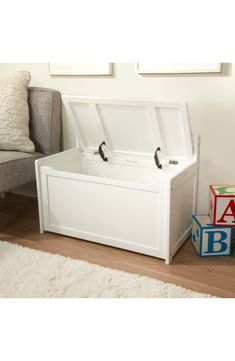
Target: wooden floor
{"points": [[214, 275]]}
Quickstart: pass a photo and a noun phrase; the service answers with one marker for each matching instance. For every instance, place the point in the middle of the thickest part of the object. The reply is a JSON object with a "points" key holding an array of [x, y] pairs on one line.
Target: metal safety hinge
{"points": [[157, 162], [173, 162], [101, 152]]}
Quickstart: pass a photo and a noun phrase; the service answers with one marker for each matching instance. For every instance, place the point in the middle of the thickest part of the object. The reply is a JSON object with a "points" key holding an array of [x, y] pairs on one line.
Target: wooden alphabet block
{"points": [[222, 205], [210, 240]]}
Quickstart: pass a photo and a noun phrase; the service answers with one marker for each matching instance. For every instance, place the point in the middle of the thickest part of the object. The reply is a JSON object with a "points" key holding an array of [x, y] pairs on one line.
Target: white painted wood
{"points": [[131, 128], [126, 202], [39, 180], [105, 206], [182, 207]]}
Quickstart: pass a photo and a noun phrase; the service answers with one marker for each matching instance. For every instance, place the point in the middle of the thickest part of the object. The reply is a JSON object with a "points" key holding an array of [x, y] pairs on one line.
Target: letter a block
{"points": [[210, 240], [222, 205]]}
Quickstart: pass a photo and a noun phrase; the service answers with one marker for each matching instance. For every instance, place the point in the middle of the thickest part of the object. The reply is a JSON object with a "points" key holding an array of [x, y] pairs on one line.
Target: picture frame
{"points": [[178, 68], [80, 69]]}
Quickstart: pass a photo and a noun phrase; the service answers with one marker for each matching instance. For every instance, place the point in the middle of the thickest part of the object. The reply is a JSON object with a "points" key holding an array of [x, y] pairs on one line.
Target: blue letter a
{"points": [[212, 242]]}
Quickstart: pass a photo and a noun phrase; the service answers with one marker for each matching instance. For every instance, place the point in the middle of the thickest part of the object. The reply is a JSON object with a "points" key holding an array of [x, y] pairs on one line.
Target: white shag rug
{"points": [[25, 272]]}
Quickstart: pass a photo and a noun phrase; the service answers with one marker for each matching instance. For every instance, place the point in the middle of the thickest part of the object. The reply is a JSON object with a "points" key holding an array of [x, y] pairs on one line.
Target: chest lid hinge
{"points": [[101, 152], [158, 164], [175, 162]]}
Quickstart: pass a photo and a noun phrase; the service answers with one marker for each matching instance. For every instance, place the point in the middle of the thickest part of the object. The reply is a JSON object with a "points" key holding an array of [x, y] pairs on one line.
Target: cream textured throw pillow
{"points": [[14, 113]]}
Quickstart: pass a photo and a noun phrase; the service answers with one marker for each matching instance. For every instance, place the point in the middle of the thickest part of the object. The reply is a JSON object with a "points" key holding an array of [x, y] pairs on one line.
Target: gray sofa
{"points": [[17, 168]]}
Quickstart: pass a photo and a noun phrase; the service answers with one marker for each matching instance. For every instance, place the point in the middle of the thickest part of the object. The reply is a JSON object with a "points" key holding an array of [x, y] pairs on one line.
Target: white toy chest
{"points": [[130, 183]]}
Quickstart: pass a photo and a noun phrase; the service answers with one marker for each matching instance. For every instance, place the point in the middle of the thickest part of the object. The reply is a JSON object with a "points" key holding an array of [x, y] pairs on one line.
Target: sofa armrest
{"points": [[45, 119]]}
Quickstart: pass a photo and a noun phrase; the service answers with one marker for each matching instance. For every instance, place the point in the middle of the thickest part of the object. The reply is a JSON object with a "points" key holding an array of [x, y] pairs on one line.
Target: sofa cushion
{"points": [[14, 113], [17, 168]]}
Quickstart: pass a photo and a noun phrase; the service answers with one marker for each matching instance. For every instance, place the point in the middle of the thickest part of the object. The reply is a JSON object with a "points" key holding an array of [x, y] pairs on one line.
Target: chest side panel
{"points": [[182, 205], [105, 213]]}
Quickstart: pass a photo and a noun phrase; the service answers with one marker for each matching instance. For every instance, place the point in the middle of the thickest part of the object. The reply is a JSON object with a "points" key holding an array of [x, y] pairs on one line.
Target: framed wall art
{"points": [[178, 68], [80, 69]]}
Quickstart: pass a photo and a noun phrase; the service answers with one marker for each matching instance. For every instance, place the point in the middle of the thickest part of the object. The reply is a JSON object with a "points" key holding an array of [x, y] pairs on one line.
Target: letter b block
{"points": [[210, 240], [222, 205]]}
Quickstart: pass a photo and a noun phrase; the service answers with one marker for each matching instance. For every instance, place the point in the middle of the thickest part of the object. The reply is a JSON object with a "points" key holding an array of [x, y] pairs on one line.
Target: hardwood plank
{"points": [[214, 275]]}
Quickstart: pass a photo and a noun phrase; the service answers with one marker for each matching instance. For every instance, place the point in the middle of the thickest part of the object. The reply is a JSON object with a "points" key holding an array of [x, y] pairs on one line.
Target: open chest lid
{"points": [[131, 128]]}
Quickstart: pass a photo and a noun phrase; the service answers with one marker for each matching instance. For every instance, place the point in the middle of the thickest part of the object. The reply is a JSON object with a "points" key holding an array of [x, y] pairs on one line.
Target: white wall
{"points": [[211, 101]]}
